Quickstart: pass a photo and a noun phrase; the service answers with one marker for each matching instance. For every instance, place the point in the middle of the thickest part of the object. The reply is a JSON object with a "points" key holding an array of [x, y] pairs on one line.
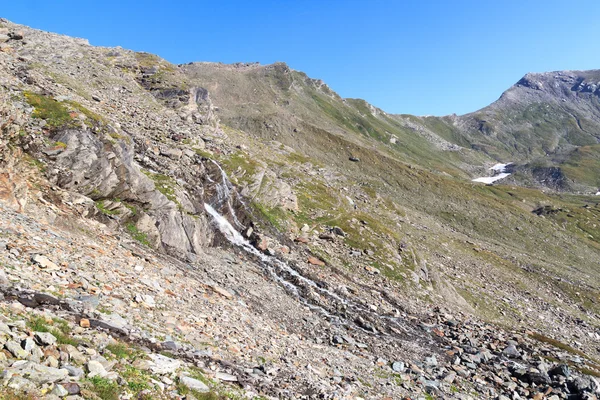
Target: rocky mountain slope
{"points": [[241, 231]]}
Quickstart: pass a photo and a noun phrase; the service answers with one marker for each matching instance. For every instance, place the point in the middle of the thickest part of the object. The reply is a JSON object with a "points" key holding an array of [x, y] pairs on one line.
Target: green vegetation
{"points": [[122, 351], [102, 208], [137, 235], [61, 115], [276, 216], [560, 345], [56, 326], [11, 394], [240, 165], [137, 380], [104, 388], [164, 184], [55, 113]]}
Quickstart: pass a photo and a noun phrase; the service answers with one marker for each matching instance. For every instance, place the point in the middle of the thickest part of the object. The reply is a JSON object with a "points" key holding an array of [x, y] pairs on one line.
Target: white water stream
{"points": [[283, 273]]}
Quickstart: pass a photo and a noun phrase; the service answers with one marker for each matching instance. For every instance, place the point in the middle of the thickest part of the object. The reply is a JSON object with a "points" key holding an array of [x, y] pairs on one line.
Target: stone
{"points": [[52, 362], [398, 366], [19, 383], [59, 391], [222, 376], [163, 365], [37, 373], [44, 263], [72, 387], [560, 370], [28, 344], [222, 292], [45, 338], [74, 371], [15, 349], [169, 345], [16, 35], [511, 351], [193, 384], [431, 361], [315, 261], [95, 368]]}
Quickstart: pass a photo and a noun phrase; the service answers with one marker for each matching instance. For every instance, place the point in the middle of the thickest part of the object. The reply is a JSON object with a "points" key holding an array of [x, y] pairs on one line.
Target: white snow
{"points": [[491, 179], [598, 194], [500, 167], [499, 173]]}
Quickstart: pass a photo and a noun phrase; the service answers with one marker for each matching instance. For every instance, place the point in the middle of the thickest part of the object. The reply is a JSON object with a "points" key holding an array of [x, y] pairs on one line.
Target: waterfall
{"points": [[282, 273], [224, 189]]}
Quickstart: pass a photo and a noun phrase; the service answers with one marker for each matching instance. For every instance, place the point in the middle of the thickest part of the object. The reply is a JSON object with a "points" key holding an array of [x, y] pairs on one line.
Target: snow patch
{"points": [[491, 179], [499, 171]]}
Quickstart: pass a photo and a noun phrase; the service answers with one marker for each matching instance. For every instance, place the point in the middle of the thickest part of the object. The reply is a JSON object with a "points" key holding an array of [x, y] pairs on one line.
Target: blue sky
{"points": [[417, 57]]}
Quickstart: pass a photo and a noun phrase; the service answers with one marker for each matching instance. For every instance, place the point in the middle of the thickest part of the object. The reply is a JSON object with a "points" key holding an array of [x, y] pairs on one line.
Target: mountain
{"points": [[227, 231]]}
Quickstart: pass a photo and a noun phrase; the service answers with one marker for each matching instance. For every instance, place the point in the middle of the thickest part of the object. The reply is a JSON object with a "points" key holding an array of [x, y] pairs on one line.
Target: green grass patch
{"points": [[102, 208], [165, 185], [137, 380], [569, 349], [122, 351], [137, 235], [55, 113], [104, 388], [60, 115]]}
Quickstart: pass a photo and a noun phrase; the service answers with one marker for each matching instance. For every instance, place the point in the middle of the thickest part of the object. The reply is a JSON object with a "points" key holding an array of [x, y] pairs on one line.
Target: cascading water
{"points": [[284, 274], [224, 189]]}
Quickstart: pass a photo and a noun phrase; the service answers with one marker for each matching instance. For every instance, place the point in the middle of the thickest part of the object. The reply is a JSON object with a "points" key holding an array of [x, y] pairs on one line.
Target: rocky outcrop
{"points": [[102, 169]]}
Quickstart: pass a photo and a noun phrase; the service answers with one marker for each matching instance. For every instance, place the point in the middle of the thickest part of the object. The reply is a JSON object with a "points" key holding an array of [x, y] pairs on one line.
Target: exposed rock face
{"points": [[105, 170]]}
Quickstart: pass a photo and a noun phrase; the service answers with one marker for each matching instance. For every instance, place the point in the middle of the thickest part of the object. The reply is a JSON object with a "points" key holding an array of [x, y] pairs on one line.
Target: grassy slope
{"points": [[489, 233]]}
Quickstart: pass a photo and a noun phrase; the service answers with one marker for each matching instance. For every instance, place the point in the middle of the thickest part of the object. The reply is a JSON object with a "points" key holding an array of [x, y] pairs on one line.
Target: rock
{"points": [[45, 338], [339, 231], [20, 384], [174, 154], [37, 373], [511, 351], [164, 365], [431, 361], [95, 368], [354, 159], [560, 370], [96, 98], [59, 391], [28, 344], [315, 261], [74, 371], [72, 388], [193, 384], [398, 366], [222, 292], [44, 263], [16, 35], [579, 384], [226, 377], [52, 362], [169, 345], [4, 38], [15, 349]]}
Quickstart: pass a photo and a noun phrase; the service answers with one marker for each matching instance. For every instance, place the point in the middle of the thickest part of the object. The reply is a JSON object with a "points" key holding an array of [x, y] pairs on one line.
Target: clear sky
{"points": [[420, 57]]}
